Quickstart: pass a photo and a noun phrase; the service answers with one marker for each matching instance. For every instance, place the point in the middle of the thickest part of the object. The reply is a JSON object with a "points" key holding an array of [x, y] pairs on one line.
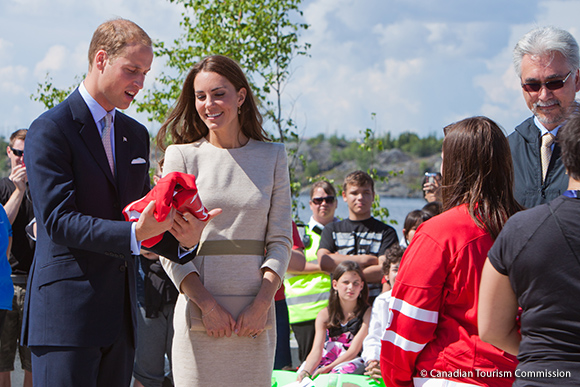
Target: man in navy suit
{"points": [[80, 308]]}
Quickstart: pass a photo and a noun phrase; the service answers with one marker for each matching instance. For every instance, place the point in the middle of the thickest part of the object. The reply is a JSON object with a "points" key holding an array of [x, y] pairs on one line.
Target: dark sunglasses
{"points": [[327, 199], [550, 85], [17, 152]]}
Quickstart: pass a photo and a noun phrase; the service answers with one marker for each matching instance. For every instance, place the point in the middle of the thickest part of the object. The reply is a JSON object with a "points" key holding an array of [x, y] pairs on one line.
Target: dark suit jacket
{"points": [[77, 283], [529, 190]]}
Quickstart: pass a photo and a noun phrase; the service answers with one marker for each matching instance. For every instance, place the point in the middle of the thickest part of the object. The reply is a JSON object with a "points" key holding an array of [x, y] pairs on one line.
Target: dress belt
{"points": [[232, 247]]}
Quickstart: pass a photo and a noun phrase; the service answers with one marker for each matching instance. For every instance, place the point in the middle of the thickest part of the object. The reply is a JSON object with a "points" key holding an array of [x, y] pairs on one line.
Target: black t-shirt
{"points": [[22, 247], [357, 237], [545, 276]]}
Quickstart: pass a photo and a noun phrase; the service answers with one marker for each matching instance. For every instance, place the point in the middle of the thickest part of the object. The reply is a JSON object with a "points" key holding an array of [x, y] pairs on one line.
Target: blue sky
{"points": [[418, 64]]}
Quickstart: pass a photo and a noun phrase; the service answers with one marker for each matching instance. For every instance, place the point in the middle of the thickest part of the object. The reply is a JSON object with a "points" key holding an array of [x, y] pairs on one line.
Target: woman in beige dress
{"points": [[224, 318]]}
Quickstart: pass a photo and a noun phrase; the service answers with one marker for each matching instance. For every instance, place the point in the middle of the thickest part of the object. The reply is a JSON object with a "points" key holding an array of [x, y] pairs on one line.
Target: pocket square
{"points": [[138, 160]]}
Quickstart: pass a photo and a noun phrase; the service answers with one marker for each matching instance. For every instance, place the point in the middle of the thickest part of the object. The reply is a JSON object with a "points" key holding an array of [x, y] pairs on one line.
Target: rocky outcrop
{"points": [[405, 172]]}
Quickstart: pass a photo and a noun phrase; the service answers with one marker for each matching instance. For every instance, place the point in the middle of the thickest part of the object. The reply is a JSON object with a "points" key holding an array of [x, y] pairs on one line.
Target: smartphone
{"points": [[430, 177]]}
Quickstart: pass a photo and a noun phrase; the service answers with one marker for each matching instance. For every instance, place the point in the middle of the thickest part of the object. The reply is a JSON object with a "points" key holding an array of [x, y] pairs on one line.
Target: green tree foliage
{"points": [[258, 34], [370, 147], [51, 96]]}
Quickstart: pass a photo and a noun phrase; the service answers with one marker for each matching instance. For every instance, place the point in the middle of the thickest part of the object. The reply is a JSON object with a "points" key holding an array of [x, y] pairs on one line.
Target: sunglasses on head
{"points": [[550, 85], [17, 152], [327, 199]]}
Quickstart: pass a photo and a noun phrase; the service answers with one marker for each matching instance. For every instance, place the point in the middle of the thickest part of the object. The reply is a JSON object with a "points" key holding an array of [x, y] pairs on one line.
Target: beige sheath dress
{"points": [[251, 185]]}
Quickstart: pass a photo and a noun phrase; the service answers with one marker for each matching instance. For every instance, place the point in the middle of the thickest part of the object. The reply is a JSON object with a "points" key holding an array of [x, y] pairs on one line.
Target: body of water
{"points": [[398, 209]]}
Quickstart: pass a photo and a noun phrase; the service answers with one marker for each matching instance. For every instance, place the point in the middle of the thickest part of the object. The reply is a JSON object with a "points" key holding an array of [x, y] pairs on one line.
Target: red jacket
{"points": [[433, 328], [176, 189]]}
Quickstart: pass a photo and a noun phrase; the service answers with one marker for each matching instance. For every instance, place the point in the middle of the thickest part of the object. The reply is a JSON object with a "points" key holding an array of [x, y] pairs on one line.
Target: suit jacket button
{"points": [[122, 268]]}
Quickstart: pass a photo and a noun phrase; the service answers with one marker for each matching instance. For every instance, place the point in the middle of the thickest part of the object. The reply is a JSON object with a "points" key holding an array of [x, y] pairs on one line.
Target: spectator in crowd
{"points": [[307, 289], [360, 238], [432, 337], [412, 221], [156, 297], [218, 136], [380, 314], [20, 260], [535, 264], [546, 60], [340, 327]]}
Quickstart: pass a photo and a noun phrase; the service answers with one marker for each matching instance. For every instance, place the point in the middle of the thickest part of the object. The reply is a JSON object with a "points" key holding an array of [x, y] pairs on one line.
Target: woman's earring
{"points": [[239, 110]]}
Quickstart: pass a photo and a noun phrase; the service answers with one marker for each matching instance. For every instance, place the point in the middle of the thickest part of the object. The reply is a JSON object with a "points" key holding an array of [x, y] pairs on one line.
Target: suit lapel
{"points": [[122, 153], [89, 133]]}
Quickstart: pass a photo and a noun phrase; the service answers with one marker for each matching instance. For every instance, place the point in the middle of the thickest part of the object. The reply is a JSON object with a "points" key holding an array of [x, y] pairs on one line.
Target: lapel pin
{"points": [[124, 139]]}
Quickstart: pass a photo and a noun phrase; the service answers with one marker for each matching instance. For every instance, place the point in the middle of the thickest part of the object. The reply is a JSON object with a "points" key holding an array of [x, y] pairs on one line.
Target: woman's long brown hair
{"points": [[184, 125], [335, 314], [478, 171]]}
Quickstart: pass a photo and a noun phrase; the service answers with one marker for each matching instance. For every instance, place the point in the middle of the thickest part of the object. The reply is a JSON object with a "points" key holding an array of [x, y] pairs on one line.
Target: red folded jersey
{"points": [[177, 190]]}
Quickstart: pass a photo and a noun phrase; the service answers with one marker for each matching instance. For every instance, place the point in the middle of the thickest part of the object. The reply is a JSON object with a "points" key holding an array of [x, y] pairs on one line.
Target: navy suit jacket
{"points": [[83, 263]]}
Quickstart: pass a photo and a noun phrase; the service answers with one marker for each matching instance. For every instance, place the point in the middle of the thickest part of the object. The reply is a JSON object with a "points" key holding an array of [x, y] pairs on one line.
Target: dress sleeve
{"points": [[175, 162], [414, 309], [279, 229]]}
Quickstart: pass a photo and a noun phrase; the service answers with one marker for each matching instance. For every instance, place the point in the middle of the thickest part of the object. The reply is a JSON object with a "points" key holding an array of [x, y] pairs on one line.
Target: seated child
{"points": [[341, 327], [372, 343]]}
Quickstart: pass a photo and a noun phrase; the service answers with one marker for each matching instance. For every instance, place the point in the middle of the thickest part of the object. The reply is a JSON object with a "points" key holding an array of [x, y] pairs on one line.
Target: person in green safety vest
{"points": [[307, 290]]}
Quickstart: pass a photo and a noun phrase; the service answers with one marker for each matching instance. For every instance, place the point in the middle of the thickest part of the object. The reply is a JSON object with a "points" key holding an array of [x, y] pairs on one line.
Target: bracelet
{"points": [[307, 373], [211, 310]]}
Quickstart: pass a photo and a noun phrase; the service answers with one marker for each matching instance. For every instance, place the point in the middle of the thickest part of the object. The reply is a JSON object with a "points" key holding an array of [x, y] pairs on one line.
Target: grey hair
{"points": [[543, 41]]}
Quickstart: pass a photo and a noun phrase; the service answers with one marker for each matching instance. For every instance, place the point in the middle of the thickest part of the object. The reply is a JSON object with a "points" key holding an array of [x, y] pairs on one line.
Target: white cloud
{"points": [[54, 60], [11, 78]]}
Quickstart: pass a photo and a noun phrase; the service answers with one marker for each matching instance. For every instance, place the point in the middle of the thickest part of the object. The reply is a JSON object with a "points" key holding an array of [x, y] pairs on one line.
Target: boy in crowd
{"points": [[372, 344], [360, 238]]}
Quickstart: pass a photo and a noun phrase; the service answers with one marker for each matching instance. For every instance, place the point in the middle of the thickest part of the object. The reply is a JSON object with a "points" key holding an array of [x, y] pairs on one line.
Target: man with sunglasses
{"points": [[20, 259], [307, 291], [546, 60]]}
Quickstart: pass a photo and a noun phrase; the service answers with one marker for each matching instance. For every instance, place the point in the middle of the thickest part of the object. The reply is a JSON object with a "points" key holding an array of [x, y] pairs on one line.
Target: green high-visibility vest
{"points": [[307, 294]]}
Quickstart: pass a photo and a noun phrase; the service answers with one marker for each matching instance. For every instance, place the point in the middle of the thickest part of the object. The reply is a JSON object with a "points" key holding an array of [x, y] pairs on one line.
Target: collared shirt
{"points": [[98, 113], [313, 223], [543, 130]]}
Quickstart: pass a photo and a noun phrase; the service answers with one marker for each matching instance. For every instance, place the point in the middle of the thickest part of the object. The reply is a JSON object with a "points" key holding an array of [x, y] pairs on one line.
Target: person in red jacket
{"points": [[432, 338]]}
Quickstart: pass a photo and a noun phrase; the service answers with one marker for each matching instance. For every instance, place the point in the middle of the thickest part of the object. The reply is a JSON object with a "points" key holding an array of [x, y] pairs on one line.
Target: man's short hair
{"points": [[544, 41], [569, 140], [114, 35], [20, 134], [325, 185], [358, 179]]}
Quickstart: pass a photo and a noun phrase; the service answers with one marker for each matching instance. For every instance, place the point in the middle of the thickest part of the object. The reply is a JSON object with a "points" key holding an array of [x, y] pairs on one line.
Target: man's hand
{"points": [[148, 227], [18, 177], [187, 228]]}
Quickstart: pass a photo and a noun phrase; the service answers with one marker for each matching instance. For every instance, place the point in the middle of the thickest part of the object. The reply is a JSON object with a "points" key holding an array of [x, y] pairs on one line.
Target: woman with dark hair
{"points": [[412, 221], [224, 314], [432, 339], [341, 327]]}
